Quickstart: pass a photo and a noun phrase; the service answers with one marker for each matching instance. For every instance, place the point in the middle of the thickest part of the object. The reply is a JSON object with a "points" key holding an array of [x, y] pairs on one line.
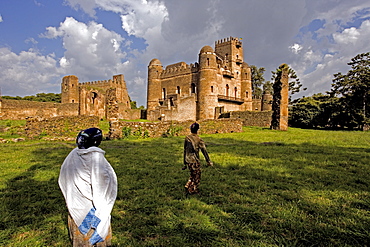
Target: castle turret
{"points": [[69, 90], [207, 98], [231, 51], [154, 84], [246, 87]]}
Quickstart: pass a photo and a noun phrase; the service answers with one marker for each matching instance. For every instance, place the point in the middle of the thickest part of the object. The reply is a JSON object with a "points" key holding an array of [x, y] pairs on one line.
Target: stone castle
{"points": [[219, 82], [218, 85], [107, 99]]}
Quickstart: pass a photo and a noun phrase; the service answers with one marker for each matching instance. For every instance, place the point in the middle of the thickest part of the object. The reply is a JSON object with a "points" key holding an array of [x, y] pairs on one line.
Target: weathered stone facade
{"points": [[219, 82], [59, 127], [104, 99], [280, 99], [157, 129], [250, 118], [21, 109]]}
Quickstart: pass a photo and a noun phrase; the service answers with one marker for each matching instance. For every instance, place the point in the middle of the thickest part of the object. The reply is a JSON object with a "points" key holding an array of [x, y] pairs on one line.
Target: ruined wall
{"points": [[59, 127], [280, 99], [157, 129], [250, 118], [21, 109]]}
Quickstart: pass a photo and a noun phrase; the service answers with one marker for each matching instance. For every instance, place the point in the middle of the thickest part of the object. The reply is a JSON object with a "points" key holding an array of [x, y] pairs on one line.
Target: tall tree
{"points": [[295, 86], [257, 81], [353, 89], [318, 110]]}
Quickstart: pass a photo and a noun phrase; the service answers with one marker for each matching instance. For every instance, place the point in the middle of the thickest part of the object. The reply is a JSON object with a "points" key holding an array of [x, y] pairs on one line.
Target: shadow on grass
{"points": [[32, 203], [257, 194]]}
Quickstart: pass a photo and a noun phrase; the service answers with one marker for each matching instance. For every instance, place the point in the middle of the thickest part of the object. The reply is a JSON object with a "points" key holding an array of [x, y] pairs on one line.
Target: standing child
{"points": [[193, 143]]}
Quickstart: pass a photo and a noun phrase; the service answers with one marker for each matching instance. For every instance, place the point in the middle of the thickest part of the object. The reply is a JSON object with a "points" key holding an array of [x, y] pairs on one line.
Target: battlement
{"points": [[176, 69], [227, 40], [117, 79]]}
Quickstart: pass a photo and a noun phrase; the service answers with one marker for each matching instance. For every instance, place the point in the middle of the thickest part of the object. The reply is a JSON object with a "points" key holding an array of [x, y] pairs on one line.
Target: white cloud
{"points": [[295, 48], [173, 31], [28, 72], [92, 51], [1, 18], [353, 35]]}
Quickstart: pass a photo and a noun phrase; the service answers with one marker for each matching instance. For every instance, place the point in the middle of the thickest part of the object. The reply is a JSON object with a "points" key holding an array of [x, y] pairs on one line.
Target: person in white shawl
{"points": [[89, 186]]}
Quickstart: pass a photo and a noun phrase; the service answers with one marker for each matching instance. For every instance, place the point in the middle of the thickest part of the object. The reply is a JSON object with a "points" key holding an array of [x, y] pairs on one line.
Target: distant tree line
{"points": [[346, 106], [40, 97], [54, 97]]}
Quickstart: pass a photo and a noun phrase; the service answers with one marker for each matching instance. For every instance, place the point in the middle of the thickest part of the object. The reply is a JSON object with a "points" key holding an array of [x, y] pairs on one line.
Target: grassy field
{"points": [[267, 188]]}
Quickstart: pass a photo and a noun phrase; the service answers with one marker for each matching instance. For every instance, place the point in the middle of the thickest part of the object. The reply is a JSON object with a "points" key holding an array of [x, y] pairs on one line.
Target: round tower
{"points": [[69, 90], [206, 88], [246, 87], [154, 84]]}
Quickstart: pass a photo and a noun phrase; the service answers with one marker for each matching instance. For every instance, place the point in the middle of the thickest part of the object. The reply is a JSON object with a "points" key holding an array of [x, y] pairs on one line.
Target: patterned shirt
{"points": [[193, 143]]}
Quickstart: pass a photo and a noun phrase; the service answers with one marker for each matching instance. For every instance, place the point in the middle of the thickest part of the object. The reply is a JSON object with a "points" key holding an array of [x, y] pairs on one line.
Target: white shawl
{"points": [[89, 186]]}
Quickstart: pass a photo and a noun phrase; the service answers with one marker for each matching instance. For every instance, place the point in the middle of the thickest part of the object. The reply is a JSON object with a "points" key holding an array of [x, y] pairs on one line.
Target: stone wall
{"points": [[59, 127], [250, 118], [21, 109], [173, 128]]}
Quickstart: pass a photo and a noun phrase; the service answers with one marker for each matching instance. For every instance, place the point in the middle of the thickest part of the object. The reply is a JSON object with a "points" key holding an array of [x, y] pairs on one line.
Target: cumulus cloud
{"points": [[91, 51], [27, 71], [1, 18], [327, 50], [273, 32]]}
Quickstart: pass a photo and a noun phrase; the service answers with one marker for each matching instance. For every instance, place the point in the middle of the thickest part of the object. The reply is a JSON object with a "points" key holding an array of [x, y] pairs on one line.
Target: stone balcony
{"points": [[230, 99]]}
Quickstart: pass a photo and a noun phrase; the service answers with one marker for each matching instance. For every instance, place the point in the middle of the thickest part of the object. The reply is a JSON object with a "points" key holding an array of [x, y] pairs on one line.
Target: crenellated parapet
{"points": [[176, 69], [229, 39]]}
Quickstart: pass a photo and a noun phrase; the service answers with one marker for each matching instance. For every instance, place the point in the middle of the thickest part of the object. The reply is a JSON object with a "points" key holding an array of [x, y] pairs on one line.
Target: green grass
{"points": [[267, 188], [12, 128]]}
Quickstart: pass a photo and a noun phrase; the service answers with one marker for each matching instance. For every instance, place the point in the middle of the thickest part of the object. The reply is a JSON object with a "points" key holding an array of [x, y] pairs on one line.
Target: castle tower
{"points": [[266, 101], [231, 51], [70, 93], [207, 98], [246, 87], [154, 89]]}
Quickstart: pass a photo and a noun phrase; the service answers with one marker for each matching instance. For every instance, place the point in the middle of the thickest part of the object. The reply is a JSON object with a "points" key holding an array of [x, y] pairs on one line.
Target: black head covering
{"points": [[89, 137], [194, 128]]}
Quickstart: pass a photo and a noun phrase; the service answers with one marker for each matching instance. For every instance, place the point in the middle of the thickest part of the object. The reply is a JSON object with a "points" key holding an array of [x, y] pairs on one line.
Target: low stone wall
{"points": [[59, 127], [250, 118], [21, 109], [156, 129]]}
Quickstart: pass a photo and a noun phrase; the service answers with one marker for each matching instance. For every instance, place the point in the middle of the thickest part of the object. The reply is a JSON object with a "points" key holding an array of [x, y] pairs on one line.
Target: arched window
{"points": [[94, 96], [207, 61], [178, 90], [246, 94], [211, 89], [193, 88], [163, 93], [227, 89], [235, 92]]}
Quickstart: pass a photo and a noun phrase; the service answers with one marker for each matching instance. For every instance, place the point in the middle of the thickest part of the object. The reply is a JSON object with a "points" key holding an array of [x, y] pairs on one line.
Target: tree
{"points": [[257, 81], [353, 89], [319, 110], [295, 86], [41, 97]]}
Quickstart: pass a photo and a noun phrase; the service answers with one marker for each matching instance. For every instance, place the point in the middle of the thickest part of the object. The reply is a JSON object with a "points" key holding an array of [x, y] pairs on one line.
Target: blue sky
{"points": [[43, 40]]}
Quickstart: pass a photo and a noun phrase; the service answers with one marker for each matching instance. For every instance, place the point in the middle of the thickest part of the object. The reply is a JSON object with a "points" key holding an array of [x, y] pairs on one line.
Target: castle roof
{"points": [[206, 49], [155, 62]]}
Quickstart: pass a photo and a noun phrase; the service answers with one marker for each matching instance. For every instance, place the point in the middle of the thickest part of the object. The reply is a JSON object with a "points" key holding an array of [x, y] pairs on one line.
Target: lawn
{"points": [[267, 188]]}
